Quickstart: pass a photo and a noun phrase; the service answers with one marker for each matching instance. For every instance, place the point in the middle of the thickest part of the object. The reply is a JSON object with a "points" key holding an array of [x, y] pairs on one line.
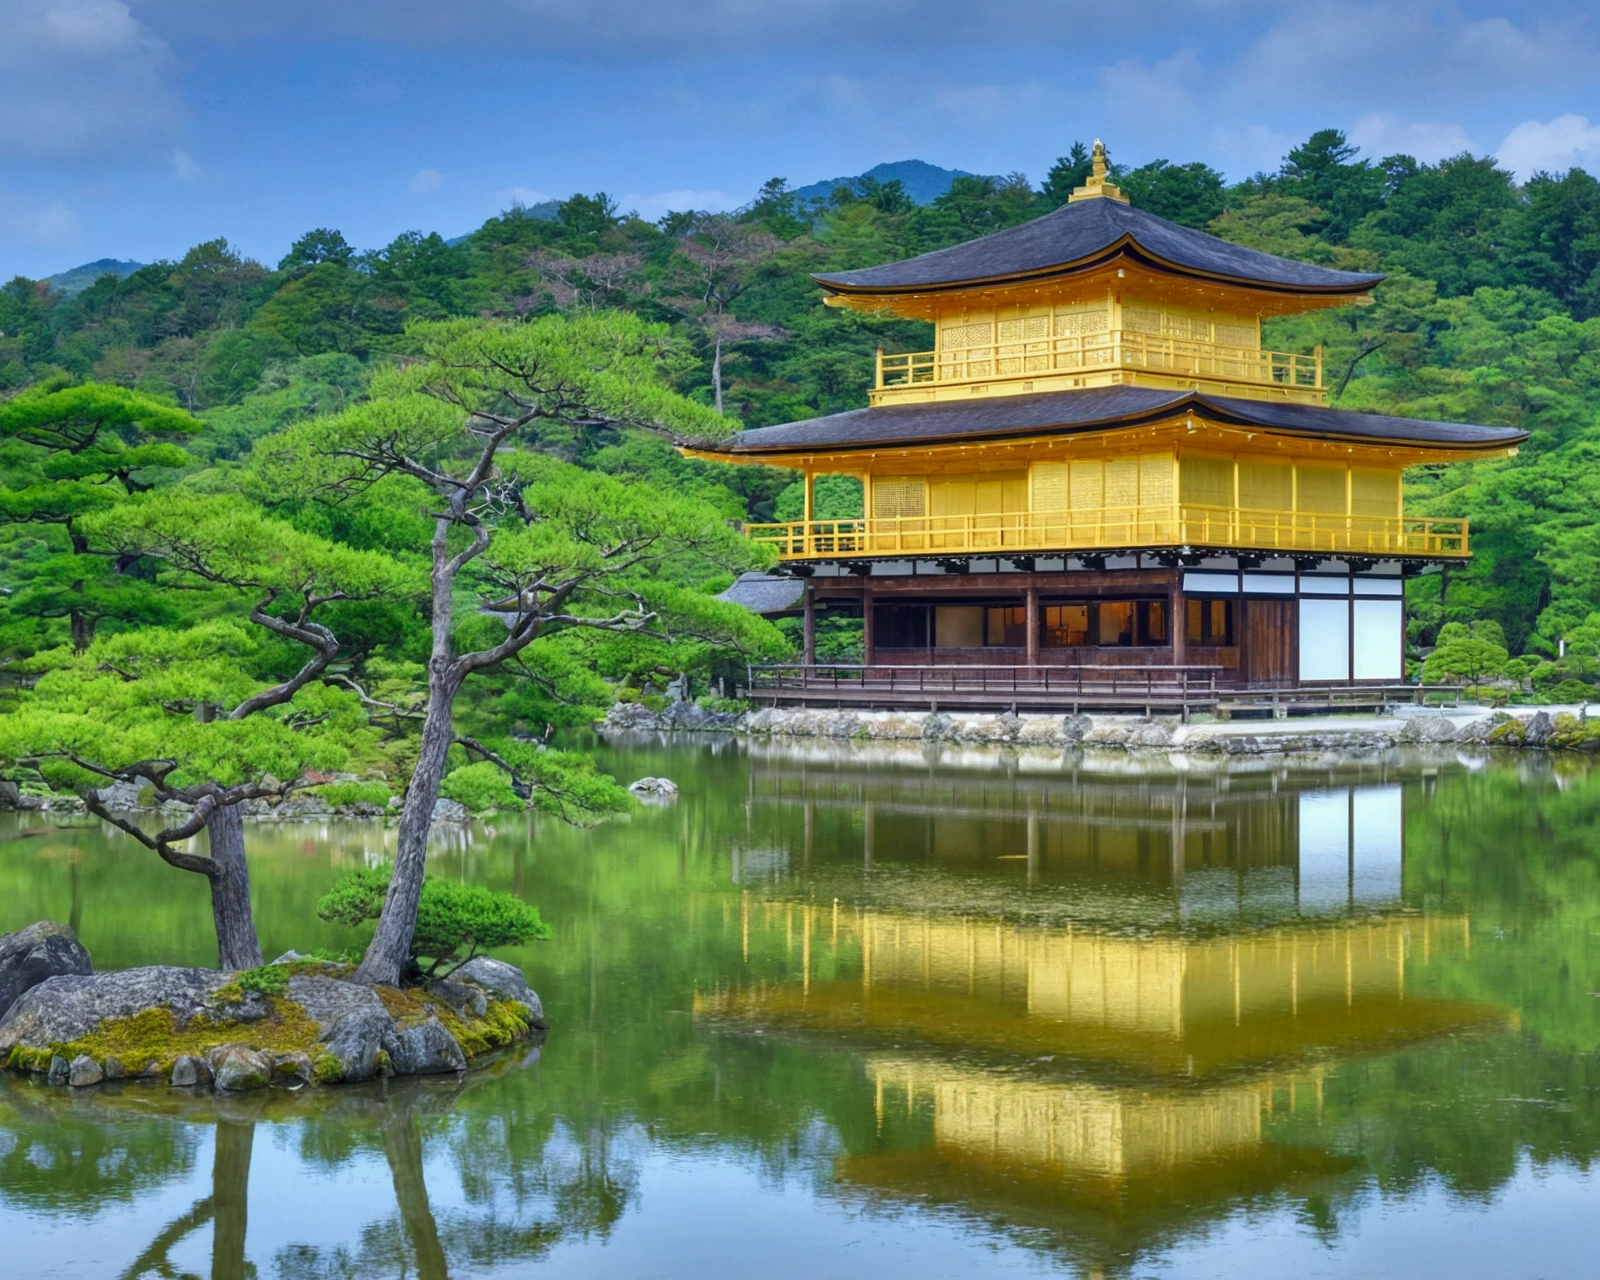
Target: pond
{"points": [[888, 1013]]}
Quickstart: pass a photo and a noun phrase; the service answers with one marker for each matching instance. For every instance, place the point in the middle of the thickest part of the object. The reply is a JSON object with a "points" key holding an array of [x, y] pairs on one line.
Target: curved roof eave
{"points": [[1124, 247], [1100, 409], [1082, 236]]}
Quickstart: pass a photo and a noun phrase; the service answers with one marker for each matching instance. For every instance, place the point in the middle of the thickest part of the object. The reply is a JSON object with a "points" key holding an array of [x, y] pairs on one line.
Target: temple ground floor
{"points": [[1116, 630]]}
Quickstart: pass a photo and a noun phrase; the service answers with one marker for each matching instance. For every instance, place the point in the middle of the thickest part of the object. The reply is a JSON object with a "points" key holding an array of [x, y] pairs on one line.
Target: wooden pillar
{"points": [[808, 641], [1179, 623], [1033, 625], [807, 540], [867, 645]]}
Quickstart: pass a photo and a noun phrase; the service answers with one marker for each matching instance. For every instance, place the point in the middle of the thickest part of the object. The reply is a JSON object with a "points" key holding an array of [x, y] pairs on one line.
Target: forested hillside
{"points": [[1491, 314]]}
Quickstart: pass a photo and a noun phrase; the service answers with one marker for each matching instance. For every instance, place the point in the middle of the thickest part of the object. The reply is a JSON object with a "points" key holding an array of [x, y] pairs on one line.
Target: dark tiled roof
{"points": [[1069, 412], [1083, 234], [765, 593]]}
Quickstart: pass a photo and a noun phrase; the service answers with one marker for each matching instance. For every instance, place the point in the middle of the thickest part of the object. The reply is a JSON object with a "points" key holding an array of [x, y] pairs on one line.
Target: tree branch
{"points": [[312, 634]]}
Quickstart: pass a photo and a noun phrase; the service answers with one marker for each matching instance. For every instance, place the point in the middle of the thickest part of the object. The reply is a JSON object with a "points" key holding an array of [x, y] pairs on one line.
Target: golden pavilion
{"points": [[1099, 468]]}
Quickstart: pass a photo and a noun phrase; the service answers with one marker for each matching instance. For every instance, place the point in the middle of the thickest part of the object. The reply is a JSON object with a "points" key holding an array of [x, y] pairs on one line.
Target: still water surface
{"points": [[903, 1014]]}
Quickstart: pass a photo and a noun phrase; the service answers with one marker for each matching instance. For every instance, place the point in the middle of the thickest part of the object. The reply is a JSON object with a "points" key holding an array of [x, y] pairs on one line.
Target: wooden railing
{"points": [[1189, 684], [1116, 349], [1114, 529]]}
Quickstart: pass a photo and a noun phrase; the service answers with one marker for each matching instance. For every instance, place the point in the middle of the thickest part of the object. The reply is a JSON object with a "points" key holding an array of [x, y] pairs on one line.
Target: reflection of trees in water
{"points": [[226, 1208], [530, 1184], [70, 1162], [417, 1241]]}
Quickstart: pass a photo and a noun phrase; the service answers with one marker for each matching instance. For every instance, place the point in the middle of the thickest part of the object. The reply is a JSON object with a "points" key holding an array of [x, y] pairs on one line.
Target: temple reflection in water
{"points": [[1105, 990]]}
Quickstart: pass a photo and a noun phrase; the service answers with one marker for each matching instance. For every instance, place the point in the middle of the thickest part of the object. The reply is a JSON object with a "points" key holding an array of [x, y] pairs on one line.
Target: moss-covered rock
{"points": [[197, 1027]]}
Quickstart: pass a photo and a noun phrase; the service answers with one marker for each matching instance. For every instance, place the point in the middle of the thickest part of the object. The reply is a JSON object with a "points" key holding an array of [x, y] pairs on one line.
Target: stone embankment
{"points": [[1540, 729], [294, 1022], [297, 806]]}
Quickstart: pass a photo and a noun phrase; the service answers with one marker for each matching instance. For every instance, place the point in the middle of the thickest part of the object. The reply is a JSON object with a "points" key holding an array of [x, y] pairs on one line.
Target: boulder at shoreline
{"points": [[200, 1028]]}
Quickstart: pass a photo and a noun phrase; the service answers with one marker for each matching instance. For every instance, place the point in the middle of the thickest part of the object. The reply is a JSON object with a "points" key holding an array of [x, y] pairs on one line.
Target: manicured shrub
{"points": [[339, 794], [454, 921], [480, 787]]}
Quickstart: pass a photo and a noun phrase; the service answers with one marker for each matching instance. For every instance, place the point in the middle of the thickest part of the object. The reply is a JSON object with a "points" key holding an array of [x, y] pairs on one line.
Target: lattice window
{"points": [[1155, 479], [1320, 488], [954, 337], [1049, 486], [1122, 483], [1088, 485], [1207, 482], [899, 497], [1141, 319], [1072, 324], [1188, 328], [1374, 492], [1265, 486], [1235, 335], [1010, 331]]}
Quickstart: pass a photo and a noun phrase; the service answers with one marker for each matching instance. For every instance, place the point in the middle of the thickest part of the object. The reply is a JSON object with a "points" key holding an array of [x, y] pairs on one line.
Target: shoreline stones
{"points": [[196, 1029], [635, 717], [1546, 729], [654, 789]]}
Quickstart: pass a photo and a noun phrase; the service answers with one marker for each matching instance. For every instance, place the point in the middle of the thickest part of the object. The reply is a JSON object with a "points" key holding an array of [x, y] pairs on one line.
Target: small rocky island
{"points": [[295, 1022]]}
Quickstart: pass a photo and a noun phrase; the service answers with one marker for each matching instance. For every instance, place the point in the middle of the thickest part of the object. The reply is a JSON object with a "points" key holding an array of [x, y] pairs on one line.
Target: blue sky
{"points": [[135, 128]]}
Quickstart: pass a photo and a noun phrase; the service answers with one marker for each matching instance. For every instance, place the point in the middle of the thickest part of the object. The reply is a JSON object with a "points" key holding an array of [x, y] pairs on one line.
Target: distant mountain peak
{"points": [[73, 282], [922, 181]]}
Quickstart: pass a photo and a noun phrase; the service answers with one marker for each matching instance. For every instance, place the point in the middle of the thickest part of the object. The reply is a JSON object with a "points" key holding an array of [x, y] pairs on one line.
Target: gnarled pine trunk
{"points": [[390, 948], [237, 945]]}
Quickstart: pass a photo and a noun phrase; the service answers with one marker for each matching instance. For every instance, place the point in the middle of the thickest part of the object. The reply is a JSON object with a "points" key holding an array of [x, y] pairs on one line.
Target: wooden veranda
{"points": [[1147, 689]]}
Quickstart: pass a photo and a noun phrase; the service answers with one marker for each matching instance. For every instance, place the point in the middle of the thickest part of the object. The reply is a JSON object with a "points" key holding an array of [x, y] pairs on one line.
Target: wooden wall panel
{"points": [[1269, 642]]}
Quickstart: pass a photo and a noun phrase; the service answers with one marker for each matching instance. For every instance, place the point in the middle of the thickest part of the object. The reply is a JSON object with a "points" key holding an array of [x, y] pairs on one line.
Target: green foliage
{"points": [[481, 787], [1466, 655], [833, 497], [268, 980], [454, 921], [339, 794]]}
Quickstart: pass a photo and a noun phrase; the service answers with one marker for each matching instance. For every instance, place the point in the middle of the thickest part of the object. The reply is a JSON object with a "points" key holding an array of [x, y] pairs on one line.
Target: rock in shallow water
{"points": [[504, 982], [84, 1071], [352, 1022], [29, 956], [654, 788], [451, 811], [189, 1071], [238, 1069], [322, 1030], [424, 1048]]}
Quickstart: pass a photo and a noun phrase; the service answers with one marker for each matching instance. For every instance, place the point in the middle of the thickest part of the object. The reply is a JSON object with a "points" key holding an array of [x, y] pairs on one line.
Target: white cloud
{"points": [[1154, 91], [528, 195], [80, 77], [425, 182], [1409, 51], [1253, 148], [53, 225], [659, 203], [1380, 134], [183, 164], [1566, 142]]}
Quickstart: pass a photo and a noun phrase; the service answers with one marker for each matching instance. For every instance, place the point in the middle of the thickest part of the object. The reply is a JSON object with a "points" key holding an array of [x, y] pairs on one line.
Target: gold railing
{"points": [[1116, 349], [1116, 528]]}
